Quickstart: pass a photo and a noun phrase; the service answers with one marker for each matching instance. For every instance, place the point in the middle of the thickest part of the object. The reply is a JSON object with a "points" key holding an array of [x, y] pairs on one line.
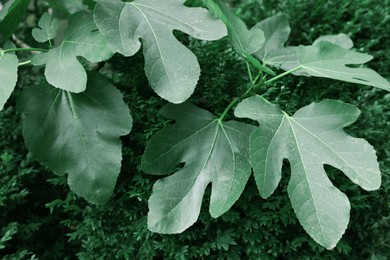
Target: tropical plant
{"points": [[74, 121]]}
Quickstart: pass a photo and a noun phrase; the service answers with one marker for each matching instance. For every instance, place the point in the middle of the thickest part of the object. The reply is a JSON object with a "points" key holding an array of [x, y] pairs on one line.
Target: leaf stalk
{"points": [[25, 49], [253, 83], [282, 75], [24, 63], [235, 100]]}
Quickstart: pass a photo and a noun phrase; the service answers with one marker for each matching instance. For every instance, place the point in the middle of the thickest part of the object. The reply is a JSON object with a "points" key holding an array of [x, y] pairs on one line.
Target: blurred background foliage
{"points": [[40, 218]]}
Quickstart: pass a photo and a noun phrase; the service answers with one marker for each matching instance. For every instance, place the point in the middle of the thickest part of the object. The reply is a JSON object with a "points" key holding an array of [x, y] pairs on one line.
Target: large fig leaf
{"points": [[310, 138], [8, 76], [78, 134], [171, 68], [328, 57], [211, 150], [10, 16], [82, 38]]}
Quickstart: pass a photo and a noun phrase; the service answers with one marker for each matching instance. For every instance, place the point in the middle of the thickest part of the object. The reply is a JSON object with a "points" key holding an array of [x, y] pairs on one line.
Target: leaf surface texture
{"points": [[8, 76], [48, 28], [212, 152], [82, 38], [276, 31], [171, 68], [244, 40], [310, 138], [78, 134], [328, 57]]}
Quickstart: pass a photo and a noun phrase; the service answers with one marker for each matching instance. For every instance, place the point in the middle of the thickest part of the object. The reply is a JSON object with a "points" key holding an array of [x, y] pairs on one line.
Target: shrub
{"points": [[254, 228]]}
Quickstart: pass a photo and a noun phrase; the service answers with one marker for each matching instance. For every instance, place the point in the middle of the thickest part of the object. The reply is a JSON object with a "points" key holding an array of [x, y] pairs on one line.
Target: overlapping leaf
{"points": [[212, 152], [329, 60], [310, 138], [276, 31], [340, 39], [78, 134], [328, 57], [244, 41], [8, 76], [82, 38], [10, 16], [171, 68], [48, 28]]}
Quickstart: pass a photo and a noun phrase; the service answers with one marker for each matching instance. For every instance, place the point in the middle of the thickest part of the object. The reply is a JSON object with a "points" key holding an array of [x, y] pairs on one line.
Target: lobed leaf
{"points": [[10, 16], [171, 68], [328, 57], [244, 41], [78, 134], [310, 138], [212, 152], [276, 31], [329, 60], [8, 76], [82, 38], [48, 28]]}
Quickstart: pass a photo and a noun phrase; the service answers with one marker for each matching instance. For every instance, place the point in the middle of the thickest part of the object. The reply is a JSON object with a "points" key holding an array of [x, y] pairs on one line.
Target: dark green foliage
{"points": [[254, 228], [11, 15], [26, 227]]}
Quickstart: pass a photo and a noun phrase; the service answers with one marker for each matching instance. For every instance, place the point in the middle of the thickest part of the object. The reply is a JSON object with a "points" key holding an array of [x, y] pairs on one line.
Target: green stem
{"points": [[235, 100], [257, 77], [24, 62], [249, 72], [25, 49], [282, 75], [249, 90]]}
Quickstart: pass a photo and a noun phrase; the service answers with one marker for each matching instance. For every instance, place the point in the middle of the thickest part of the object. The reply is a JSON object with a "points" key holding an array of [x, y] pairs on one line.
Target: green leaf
{"points": [[211, 150], [10, 16], [328, 57], [340, 39], [329, 60], [310, 138], [48, 30], [78, 134], [276, 31], [171, 68], [82, 38], [256, 63], [8, 76], [244, 41]]}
